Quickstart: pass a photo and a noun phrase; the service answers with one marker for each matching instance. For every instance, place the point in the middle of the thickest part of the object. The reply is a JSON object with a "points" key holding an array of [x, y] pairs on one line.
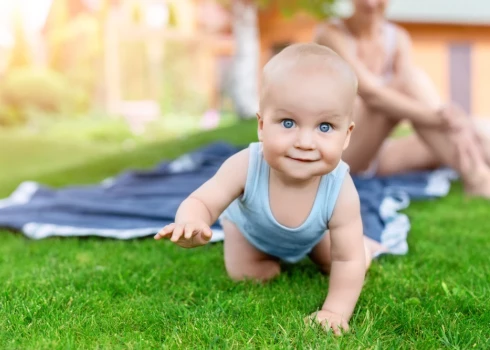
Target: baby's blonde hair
{"points": [[304, 56]]}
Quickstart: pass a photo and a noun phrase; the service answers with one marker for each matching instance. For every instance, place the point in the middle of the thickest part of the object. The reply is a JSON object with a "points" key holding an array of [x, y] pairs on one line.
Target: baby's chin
{"points": [[302, 172]]}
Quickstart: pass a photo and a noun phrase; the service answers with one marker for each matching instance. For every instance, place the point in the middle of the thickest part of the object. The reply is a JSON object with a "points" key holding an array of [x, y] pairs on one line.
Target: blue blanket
{"points": [[139, 203]]}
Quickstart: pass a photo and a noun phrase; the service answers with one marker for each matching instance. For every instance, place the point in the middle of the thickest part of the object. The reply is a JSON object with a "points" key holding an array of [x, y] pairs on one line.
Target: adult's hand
{"points": [[455, 119]]}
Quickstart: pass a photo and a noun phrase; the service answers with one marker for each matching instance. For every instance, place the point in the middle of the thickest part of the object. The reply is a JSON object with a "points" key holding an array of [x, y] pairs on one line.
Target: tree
{"points": [[246, 63]]}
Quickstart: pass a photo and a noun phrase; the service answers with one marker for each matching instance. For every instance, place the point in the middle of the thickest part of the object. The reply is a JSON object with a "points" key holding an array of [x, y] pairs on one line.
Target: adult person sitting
{"points": [[392, 89]]}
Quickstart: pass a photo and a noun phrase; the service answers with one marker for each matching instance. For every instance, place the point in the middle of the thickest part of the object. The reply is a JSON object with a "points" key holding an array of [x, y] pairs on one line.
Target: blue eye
{"points": [[288, 123], [325, 127]]}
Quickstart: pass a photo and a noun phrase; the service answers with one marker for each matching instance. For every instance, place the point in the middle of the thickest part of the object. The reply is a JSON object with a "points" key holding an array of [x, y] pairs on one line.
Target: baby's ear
{"points": [[260, 126], [349, 133]]}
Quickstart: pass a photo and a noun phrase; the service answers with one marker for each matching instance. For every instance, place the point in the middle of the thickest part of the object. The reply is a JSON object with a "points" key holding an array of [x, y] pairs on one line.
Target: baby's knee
{"points": [[262, 271]]}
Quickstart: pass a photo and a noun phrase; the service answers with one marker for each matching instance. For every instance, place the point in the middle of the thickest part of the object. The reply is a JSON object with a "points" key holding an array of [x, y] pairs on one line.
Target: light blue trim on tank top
{"points": [[252, 214]]}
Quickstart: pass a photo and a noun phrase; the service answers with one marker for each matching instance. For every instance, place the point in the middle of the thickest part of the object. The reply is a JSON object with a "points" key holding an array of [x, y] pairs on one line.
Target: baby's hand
{"points": [[188, 235], [329, 320]]}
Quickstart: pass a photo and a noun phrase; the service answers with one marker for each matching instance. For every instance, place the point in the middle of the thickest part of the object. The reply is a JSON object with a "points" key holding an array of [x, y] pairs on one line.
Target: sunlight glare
{"points": [[33, 13]]}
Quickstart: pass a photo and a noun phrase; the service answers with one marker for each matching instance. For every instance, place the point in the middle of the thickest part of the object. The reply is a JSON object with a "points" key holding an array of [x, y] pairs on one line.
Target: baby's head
{"points": [[305, 115]]}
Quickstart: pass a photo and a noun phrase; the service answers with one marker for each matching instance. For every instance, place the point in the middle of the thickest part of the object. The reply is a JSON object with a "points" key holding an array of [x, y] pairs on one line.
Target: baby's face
{"points": [[305, 125]]}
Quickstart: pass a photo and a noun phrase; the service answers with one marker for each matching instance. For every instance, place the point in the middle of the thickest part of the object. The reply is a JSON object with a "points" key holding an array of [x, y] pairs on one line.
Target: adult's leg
{"points": [[441, 147], [427, 92], [369, 146], [370, 133], [450, 148], [404, 154], [412, 152], [244, 261], [482, 127]]}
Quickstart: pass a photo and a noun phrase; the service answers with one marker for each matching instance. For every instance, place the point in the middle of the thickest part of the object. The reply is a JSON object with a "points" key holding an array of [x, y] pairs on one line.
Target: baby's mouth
{"points": [[303, 160]]}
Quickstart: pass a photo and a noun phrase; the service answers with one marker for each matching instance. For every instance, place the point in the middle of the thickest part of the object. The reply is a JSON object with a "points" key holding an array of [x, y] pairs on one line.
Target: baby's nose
{"points": [[304, 140]]}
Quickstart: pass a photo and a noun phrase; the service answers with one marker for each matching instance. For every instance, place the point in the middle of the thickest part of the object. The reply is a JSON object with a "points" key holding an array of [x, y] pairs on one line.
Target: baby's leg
{"points": [[321, 256], [243, 260]]}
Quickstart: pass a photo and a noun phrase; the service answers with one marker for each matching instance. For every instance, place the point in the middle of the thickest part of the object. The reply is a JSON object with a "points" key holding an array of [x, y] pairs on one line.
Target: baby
{"points": [[290, 195]]}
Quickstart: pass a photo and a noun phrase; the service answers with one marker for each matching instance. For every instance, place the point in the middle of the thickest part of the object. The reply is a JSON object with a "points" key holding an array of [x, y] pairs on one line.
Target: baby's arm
{"points": [[203, 207], [348, 257]]}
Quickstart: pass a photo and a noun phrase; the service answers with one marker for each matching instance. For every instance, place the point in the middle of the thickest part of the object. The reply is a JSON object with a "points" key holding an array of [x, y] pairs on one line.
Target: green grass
{"points": [[92, 293], [24, 157]]}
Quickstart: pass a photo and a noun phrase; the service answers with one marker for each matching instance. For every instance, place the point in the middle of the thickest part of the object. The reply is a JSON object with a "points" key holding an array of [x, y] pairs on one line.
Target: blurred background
{"points": [[116, 73]]}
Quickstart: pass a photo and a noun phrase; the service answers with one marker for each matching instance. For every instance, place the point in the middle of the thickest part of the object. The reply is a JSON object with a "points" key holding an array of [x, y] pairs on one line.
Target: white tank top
{"points": [[252, 214]]}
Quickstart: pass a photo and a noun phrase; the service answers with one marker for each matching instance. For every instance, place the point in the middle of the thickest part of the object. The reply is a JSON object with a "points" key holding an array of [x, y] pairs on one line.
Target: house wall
{"points": [[432, 51]]}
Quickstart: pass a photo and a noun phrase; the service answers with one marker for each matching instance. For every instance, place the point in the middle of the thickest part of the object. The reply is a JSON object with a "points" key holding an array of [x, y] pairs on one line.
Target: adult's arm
{"points": [[378, 96]]}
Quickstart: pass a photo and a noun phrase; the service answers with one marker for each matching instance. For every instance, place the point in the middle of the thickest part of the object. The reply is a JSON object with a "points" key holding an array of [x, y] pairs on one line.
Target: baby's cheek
{"points": [[332, 156], [270, 154]]}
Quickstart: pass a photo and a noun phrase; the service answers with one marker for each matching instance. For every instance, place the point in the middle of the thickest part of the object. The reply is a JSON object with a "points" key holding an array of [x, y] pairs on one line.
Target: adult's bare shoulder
{"points": [[403, 54], [402, 35], [330, 35]]}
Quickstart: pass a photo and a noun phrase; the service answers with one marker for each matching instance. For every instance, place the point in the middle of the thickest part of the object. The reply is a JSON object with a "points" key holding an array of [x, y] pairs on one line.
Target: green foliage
{"points": [[9, 115], [172, 16], [317, 8], [73, 48], [27, 91]]}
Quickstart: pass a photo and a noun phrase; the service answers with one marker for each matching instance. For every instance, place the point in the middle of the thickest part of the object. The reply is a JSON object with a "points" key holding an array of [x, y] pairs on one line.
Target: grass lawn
{"points": [[93, 293]]}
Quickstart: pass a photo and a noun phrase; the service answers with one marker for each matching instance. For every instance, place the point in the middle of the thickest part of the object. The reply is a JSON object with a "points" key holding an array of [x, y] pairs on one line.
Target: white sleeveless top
{"points": [[252, 215]]}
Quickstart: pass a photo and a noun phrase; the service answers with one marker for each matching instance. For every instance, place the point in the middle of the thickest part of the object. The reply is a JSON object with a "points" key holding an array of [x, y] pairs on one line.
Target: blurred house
{"points": [[185, 42], [451, 42], [147, 44]]}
